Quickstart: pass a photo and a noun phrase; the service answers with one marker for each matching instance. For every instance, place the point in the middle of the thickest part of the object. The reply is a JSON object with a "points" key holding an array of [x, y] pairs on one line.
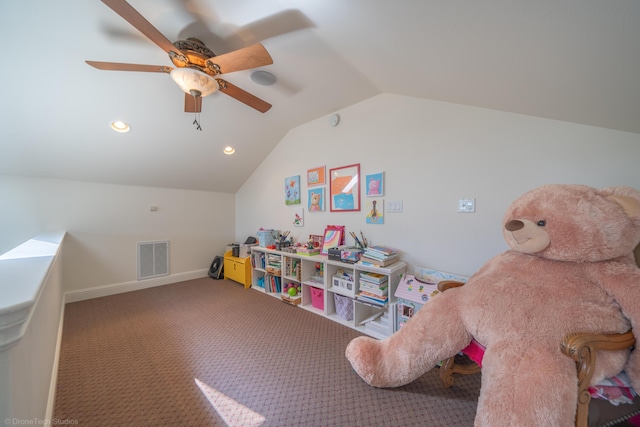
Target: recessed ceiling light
{"points": [[229, 150], [263, 78], [120, 126]]}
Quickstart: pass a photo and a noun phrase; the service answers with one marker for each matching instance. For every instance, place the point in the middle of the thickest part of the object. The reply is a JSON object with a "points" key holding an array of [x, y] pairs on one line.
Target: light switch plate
{"points": [[394, 206], [467, 205]]}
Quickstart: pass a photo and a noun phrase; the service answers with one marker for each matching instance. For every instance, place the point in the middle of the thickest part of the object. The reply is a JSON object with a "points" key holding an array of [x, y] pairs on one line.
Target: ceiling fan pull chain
{"points": [[195, 122]]}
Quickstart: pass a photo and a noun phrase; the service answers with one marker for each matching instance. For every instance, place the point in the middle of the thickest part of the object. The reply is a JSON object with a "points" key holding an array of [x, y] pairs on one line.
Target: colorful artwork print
{"points": [[298, 218], [292, 190], [344, 188], [316, 200], [316, 176], [333, 237], [375, 211], [341, 188], [374, 184]]}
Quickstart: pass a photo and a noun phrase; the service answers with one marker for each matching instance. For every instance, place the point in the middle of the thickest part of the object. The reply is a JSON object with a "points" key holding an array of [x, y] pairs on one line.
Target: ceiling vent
{"points": [[153, 259]]}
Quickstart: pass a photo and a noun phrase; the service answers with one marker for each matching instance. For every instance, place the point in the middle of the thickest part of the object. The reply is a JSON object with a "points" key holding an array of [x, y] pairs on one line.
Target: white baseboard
{"points": [[118, 288]]}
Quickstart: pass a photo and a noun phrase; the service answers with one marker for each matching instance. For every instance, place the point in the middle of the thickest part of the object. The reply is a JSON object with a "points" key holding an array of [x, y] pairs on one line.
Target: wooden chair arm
{"points": [[582, 349], [448, 284]]}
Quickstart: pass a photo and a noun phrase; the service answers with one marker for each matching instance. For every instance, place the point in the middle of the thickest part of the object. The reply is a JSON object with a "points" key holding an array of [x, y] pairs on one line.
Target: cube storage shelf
{"points": [[319, 277]]}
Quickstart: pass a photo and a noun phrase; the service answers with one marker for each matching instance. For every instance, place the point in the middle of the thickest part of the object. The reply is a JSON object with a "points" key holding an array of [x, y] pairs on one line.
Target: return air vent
{"points": [[153, 259]]}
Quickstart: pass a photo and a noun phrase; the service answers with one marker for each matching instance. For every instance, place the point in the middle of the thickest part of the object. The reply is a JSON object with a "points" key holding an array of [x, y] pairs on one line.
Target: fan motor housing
{"points": [[193, 52]]}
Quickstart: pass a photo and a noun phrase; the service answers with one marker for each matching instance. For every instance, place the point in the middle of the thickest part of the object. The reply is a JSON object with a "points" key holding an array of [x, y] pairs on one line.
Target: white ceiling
{"points": [[570, 60]]}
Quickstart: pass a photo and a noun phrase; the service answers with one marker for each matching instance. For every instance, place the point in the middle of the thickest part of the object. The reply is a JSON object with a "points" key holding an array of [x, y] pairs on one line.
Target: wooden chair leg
{"points": [[449, 367], [446, 372]]}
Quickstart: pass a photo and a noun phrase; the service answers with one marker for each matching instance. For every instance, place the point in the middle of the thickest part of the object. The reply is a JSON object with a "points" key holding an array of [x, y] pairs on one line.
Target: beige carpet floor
{"points": [[210, 353]]}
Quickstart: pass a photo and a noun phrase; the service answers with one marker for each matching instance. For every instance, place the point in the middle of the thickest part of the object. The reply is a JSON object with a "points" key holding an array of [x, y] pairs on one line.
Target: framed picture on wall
{"points": [[374, 184], [292, 190], [344, 188], [316, 176], [298, 217], [316, 199], [375, 211]]}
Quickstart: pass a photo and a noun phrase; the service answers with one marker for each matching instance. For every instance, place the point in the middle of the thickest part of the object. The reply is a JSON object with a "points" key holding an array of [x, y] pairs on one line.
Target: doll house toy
{"points": [[415, 290]]}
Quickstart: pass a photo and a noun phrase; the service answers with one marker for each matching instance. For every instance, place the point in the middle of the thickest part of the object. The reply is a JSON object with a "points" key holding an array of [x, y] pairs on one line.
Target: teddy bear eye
{"points": [[542, 223]]}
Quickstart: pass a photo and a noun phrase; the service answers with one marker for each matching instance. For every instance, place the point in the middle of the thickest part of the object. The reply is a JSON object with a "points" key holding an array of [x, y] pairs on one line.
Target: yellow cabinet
{"points": [[237, 269]]}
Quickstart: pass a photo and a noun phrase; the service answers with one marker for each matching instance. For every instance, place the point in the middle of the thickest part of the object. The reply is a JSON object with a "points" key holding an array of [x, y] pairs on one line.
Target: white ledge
{"points": [[23, 273]]}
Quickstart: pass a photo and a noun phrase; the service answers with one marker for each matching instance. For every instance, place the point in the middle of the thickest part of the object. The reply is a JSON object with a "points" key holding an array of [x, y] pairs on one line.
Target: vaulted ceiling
{"points": [[570, 60]]}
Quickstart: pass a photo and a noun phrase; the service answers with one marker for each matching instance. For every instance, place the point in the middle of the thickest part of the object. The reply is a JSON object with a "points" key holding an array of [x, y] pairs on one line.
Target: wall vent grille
{"points": [[153, 259]]}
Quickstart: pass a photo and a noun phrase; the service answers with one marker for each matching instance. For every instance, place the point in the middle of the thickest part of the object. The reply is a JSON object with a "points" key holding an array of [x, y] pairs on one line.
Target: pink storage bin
{"points": [[317, 298]]}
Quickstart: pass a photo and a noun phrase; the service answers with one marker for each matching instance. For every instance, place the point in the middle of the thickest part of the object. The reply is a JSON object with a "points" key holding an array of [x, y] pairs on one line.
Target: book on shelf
{"points": [[273, 284], [372, 285], [372, 299], [379, 325], [372, 277], [380, 250], [370, 262], [258, 260], [375, 255], [374, 289], [371, 318], [374, 295], [371, 303]]}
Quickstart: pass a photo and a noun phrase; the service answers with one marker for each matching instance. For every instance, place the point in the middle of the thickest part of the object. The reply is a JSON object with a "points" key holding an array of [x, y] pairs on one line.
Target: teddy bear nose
{"points": [[514, 225]]}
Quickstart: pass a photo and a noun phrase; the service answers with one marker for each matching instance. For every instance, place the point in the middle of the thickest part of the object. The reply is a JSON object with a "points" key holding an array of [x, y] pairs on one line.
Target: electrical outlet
{"points": [[467, 205]]}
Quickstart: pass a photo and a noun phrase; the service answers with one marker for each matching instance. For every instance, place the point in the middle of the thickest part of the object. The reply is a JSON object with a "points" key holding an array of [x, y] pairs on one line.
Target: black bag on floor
{"points": [[216, 271]]}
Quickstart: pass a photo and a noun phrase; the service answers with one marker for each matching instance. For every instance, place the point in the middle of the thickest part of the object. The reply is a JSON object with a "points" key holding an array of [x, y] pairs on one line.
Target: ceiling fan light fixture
{"points": [[120, 126], [191, 80]]}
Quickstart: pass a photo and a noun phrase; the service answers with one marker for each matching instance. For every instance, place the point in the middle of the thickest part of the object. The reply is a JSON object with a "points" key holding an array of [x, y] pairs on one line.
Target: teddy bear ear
{"points": [[629, 205]]}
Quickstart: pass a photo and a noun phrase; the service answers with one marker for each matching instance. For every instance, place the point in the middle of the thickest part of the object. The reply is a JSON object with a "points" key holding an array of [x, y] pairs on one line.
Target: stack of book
{"points": [[378, 256], [379, 326], [274, 265], [373, 289], [273, 284]]}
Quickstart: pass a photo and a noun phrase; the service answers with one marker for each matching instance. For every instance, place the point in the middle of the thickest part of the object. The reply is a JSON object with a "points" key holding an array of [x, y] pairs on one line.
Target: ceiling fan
{"points": [[197, 67]]}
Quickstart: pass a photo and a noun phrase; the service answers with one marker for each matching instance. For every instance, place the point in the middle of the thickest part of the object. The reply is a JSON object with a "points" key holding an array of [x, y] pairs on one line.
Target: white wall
{"points": [[105, 222], [18, 214], [433, 154]]}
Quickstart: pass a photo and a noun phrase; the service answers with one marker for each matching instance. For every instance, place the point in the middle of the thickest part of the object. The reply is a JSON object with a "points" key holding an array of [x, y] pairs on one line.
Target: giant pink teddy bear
{"points": [[570, 269]]}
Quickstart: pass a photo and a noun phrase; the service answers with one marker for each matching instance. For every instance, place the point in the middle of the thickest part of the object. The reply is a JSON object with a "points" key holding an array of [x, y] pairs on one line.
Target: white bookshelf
{"points": [[311, 273]]}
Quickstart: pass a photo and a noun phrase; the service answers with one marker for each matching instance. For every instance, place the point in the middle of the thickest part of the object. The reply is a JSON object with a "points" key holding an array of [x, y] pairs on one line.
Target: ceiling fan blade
{"points": [[243, 96], [133, 17], [117, 66], [242, 59], [191, 104]]}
